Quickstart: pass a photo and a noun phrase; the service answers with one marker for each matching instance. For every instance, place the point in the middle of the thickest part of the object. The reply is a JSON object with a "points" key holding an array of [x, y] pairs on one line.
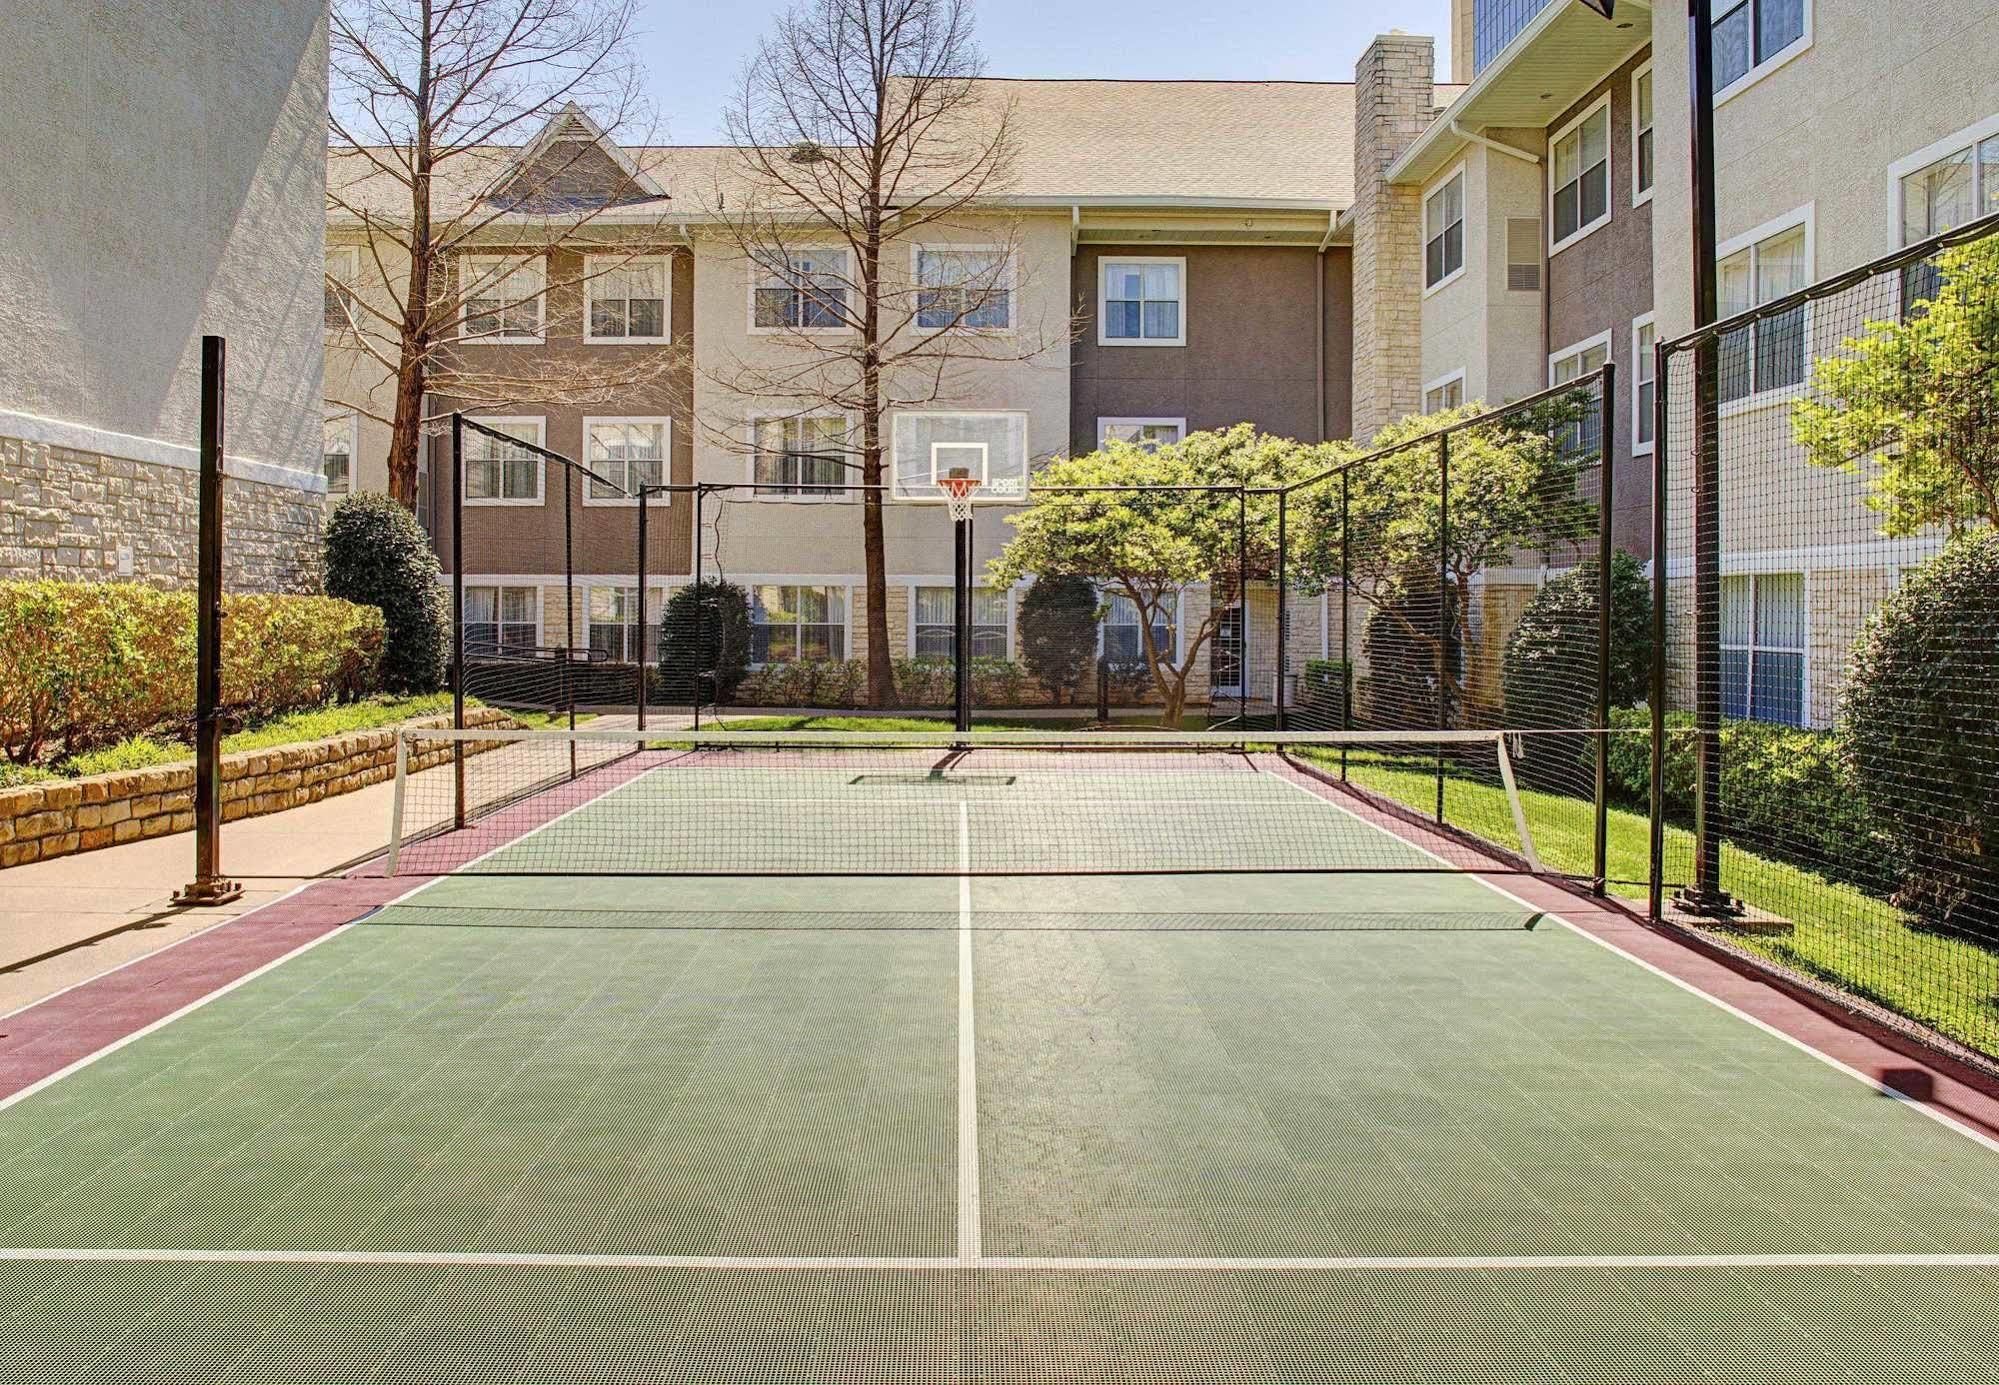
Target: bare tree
{"points": [[490, 126], [860, 131]]}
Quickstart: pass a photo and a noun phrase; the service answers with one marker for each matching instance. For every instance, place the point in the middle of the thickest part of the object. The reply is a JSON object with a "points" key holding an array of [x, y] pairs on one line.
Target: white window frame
{"points": [[1104, 264], [1135, 421], [352, 418], [1012, 288], [754, 280], [1758, 71], [1588, 228], [1640, 196], [594, 267], [1576, 349], [1639, 359], [1776, 226], [1107, 591], [847, 494], [665, 459], [845, 585], [1456, 377], [645, 628], [1967, 139], [503, 423], [538, 264], [1436, 186], [916, 584], [499, 582], [1804, 650], [348, 273]]}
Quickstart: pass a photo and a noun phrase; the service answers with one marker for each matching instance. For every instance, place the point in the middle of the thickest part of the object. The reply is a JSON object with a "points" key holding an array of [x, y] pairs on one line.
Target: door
{"points": [[1228, 653]]}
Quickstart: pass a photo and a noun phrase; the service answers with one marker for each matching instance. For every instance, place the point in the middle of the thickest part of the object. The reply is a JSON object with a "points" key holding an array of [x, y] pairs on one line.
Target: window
{"points": [[1769, 354], [627, 452], [1147, 433], [1584, 437], [338, 456], [618, 630], [1444, 231], [933, 623], [343, 267], [801, 458], [423, 492], [498, 473], [1946, 192], [797, 623], [502, 298], [501, 620], [1124, 641], [1749, 35], [1642, 144], [809, 295], [1139, 302], [627, 301], [1763, 647], [1581, 177], [1447, 393], [1523, 254], [969, 287], [1644, 384]]}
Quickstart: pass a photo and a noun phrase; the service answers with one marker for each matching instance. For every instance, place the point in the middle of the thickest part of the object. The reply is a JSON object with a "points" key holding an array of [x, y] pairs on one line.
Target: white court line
{"points": [[1941, 1117], [968, 1059], [598, 1260]]}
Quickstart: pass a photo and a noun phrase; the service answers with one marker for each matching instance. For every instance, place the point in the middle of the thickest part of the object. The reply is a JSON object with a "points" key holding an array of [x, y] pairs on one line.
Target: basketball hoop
{"points": [[958, 492]]}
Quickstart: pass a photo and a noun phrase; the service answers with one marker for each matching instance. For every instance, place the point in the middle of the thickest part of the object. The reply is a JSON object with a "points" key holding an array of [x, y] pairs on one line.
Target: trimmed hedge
{"points": [[844, 683], [719, 612], [378, 555], [86, 665]]}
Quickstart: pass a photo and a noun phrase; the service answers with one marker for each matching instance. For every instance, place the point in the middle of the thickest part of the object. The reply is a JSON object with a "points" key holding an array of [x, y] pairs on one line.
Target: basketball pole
{"points": [[962, 614]]}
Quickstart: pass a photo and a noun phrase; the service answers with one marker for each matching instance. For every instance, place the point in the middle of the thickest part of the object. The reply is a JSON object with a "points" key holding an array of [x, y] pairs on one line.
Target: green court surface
{"points": [[1151, 1128]]}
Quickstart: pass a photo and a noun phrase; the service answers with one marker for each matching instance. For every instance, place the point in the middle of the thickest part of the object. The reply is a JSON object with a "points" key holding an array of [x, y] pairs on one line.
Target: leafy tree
{"points": [[1400, 644], [1548, 671], [1913, 405], [1149, 545], [704, 633], [378, 555], [1919, 722], [1058, 630]]}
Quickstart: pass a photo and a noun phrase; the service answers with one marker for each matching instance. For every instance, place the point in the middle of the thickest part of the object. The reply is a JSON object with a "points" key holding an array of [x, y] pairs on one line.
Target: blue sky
{"points": [[694, 50]]}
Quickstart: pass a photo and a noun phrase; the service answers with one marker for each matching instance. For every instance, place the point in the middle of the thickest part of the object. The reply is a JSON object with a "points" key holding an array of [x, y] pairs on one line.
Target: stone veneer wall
{"points": [[40, 821], [1393, 103], [82, 515]]}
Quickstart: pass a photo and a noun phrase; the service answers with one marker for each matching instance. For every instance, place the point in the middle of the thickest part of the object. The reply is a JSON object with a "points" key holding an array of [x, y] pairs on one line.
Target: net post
{"points": [[1443, 604], [1607, 466], [1513, 802], [1346, 621], [208, 885], [645, 626], [1656, 690], [1283, 608], [396, 804], [458, 617]]}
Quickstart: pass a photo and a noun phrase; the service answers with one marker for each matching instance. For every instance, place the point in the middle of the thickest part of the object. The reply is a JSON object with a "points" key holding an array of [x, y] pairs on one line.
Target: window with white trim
{"points": [[802, 458], [1140, 301], [502, 298], [1763, 647], [343, 267], [1580, 180], [1750, 33], [1584, 437], [1124, 639], [1644, 382], [337, 457], [627, 452], [1947, 192], [966, 287], [627, 301], [933, 623], [1643, 146], [1770, 354], [1444, 231], [501, 620], [618, 629], [1447, 393], [797, 622], [809, 294], [1147, 433], [498, 473]]}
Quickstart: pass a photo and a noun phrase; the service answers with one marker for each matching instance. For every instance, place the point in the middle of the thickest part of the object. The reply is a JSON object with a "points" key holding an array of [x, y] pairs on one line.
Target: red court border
{"points": [[56, 1033]]}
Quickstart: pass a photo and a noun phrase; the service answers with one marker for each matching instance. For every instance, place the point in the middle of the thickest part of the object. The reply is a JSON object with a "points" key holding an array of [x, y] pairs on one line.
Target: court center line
{"points": [[968, 1066]]}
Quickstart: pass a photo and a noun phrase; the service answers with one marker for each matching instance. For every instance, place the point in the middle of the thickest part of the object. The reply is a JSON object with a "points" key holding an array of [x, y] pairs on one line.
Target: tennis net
{"points": [[624, 802]]}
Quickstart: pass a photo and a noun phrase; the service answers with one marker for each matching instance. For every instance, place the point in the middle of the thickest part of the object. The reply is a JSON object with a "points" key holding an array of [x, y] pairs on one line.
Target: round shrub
{"points": [[1919, 723], [378, 555], [705, 628], [1058, 632], [1548, 672]]}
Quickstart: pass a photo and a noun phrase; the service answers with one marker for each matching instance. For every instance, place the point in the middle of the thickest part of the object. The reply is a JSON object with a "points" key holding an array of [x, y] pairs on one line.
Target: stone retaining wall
{"points": [[39, 821]]}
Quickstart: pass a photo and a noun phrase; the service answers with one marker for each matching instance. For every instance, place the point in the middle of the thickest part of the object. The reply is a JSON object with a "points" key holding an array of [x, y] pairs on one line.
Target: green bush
{"points": [[378, 555], [1321, 688], [134, 752], [1549, 667], [1058, 633], [1919, 723], [719, 614], [12, 776], [87, 665]]}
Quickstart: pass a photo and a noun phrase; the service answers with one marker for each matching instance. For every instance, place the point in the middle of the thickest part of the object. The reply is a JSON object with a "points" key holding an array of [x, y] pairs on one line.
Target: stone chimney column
{"points": [[1394, 102]]}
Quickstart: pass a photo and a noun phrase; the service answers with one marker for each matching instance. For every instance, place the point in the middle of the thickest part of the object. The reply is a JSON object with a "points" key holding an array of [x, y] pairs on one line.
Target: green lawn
{"points": [[943, 723]]}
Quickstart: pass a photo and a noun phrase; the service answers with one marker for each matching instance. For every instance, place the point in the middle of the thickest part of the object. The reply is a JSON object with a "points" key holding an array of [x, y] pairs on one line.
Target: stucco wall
{"points": [[165, 178]]}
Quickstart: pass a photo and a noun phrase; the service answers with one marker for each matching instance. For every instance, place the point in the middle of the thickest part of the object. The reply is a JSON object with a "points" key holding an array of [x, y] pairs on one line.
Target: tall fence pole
{"points": [[1242, 606], [1656, 693], [569, 607], [1346, 621], [700, 600], [1605, 539], [645, 626], [208, 885], [458, 617], [1444, 614], [1283, 604]]}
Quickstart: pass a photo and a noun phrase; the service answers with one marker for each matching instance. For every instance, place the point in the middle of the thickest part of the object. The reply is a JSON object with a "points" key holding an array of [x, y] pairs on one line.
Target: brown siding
{"points": [[1250, 354], [529, 538], [1603, 281]]}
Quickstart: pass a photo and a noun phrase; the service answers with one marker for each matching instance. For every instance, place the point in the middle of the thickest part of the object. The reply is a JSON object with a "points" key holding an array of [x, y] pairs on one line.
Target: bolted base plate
{"points": [[208, 892]]}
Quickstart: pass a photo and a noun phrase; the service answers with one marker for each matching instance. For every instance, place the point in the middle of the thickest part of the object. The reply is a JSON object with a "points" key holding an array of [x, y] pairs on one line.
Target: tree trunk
{"points": [[413, 361], [406, 437], [881, 668]]}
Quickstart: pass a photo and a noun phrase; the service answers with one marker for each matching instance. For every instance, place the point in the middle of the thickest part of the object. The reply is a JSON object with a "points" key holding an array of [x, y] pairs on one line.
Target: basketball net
{"points": [[958, 492]]}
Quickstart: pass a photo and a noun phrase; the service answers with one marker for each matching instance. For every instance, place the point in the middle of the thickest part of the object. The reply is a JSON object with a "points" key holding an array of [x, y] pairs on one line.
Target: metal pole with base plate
{"points": [[958, 491]]}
